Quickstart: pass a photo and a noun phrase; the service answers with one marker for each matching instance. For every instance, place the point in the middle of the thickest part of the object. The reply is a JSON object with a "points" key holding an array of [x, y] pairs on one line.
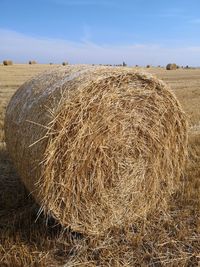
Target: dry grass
{"points": [[166, 239]]}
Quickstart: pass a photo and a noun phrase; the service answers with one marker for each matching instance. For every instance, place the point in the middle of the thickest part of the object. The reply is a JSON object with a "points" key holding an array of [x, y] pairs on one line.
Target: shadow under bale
{"points": [[22, 233], [15, 199]]}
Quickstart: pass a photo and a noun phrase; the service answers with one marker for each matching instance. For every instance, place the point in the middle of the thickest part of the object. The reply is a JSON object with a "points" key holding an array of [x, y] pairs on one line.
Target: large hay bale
{"points": [[65, 63], [171, 66], [7, 62], [32, 62], [97, 146]]}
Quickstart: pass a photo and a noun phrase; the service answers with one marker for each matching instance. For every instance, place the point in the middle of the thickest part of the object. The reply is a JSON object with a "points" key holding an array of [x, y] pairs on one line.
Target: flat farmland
{"points": [[171, 239]]}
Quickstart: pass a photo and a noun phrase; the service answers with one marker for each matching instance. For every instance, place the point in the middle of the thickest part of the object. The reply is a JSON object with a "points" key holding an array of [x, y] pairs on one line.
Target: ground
{"points": [[164, 239]]}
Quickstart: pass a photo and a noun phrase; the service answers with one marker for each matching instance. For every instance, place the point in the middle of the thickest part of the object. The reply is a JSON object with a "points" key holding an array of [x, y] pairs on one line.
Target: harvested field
{"points": [[164, 239]]}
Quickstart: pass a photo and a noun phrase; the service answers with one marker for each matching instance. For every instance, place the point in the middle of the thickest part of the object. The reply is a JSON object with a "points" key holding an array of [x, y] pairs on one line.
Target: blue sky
{"points": [[99, 31]]}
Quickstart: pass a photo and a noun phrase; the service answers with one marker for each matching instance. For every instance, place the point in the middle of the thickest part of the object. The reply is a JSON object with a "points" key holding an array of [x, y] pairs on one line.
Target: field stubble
{"points": [[170, 239]]}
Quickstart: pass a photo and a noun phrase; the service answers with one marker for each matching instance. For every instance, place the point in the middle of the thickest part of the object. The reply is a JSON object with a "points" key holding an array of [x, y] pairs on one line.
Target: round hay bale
{"points": [[148, 66], [31, 62], [7, 62], [171, 66], [65, 63], [97, 146]]}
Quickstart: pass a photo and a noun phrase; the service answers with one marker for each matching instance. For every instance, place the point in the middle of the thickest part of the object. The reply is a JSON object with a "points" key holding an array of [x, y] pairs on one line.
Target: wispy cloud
{"points": [[21, 48]]}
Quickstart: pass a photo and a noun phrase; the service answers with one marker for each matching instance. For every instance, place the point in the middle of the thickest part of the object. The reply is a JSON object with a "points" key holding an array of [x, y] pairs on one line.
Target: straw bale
{"points": [[97, 146], [7, 62], [31, 62], [171, 66]]}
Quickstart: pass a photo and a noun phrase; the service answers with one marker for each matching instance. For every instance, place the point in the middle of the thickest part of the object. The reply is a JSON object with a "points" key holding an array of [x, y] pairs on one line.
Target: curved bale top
{"points": [[7, 62], [97, 146], [171, 66]]}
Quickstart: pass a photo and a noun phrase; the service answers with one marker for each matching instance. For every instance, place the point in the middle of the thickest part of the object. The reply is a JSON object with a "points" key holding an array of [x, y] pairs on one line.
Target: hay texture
{"points": [[32, 62], [97, 146], [171, 66], [7, 62]]}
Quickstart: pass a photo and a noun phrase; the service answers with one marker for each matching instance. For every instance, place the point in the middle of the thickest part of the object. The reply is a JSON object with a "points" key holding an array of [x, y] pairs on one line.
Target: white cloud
{"points": [[21, 48]]}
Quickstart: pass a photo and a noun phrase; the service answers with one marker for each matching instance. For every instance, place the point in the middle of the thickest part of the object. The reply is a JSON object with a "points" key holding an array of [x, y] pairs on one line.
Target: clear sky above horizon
{"points": [[99, 31]]}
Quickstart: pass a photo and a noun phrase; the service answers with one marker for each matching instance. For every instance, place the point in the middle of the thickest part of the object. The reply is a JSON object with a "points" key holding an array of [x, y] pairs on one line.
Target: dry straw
{"points": [[97, 146], [7, 62]]}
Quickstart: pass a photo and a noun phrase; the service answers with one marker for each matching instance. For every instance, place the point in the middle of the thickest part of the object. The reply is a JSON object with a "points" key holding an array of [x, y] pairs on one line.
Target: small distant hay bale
{"points": [[7, 62], [32, 62], [171, 66], [98, 147], [148, 66], [65, 63]]}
